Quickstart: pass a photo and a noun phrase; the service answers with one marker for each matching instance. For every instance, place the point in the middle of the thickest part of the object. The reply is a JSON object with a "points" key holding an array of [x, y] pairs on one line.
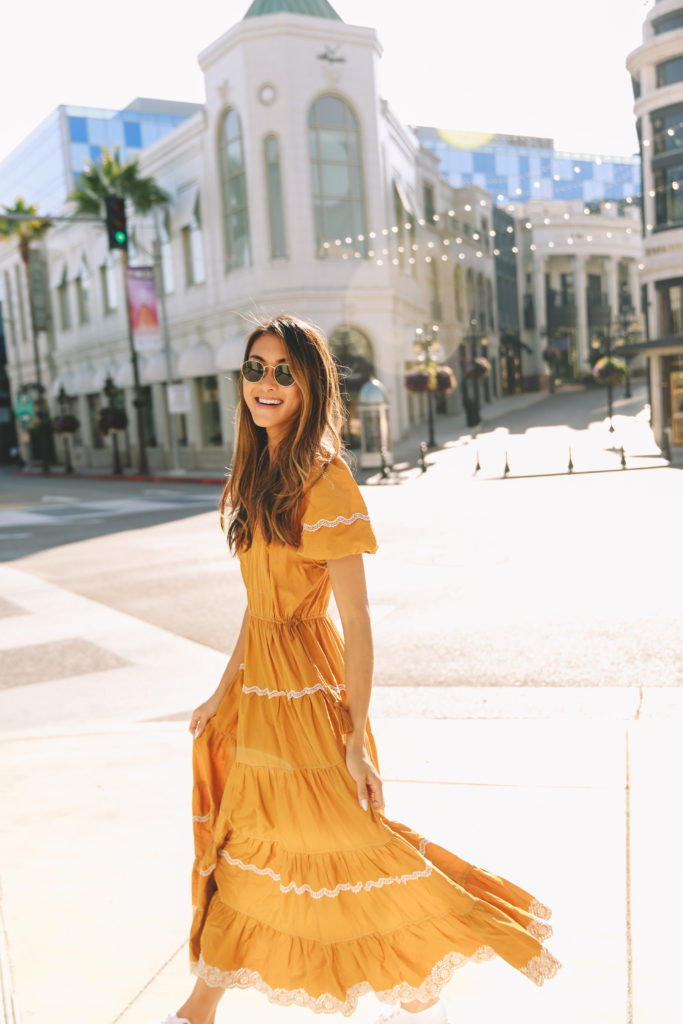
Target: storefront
{"points": [[665, 357]]}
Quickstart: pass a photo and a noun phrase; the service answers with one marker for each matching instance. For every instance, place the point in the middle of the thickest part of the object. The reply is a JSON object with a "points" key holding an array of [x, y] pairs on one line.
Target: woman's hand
{"points": [[202, 714], [368, 782]]}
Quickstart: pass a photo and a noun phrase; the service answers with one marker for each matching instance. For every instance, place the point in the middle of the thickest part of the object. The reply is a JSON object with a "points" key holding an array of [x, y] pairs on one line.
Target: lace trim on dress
{"points": [[540, 910], [205, 872], [542, 967], [201, 817], [327, 1003], [318, 894], [540, 930], [290, 694], [423, 846], [346, 520]]}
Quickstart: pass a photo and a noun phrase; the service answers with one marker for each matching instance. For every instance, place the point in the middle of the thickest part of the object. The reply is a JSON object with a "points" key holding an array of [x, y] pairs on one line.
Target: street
{"points": [[527, 710]]}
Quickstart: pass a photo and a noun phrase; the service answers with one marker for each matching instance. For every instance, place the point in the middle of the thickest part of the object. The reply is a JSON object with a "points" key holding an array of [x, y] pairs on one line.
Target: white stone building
{"points": [[296, 190], [656, 68], [578, 275]]}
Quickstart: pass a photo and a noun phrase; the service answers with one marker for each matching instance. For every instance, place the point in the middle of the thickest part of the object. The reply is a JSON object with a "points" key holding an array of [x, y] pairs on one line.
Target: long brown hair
{"points": [[267, 493]]}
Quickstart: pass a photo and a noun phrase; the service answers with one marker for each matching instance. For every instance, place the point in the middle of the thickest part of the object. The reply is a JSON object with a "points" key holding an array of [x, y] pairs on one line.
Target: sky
{"points": [[532, 67]]}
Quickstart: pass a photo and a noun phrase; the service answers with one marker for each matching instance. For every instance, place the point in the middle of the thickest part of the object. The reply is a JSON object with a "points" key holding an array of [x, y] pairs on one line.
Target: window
{"points": [[435, 305], [64, 304], [458, 288], [210, 411], [193, 249], [78, 129], [668, 22], [669, 72], [108, 285], [167, 275], [276, 216], [667, 129], [428, 202], [635, 85], [234, 192], [20, 301], [400, 216], [669, 195], [489, 303], [567, 289], [337, 172], [132, 134], [670, 303], [83, 292]]}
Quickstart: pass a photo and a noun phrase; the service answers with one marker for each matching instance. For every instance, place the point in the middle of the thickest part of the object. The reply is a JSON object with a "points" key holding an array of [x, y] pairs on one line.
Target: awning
{"points": [[230, 355], [184, 207], [83, 381], [57, 273], [100, 374], [62, 380], [155, 368], [405, 202], [197, 361]]}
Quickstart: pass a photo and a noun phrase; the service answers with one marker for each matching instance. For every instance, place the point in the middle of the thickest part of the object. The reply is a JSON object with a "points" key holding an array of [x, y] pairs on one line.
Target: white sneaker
{"points": [[436, 1014], [174, 1019]]}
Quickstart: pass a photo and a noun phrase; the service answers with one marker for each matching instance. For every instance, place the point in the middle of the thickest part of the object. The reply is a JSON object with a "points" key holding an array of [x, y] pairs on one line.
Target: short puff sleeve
{"points": [[335, 520]]}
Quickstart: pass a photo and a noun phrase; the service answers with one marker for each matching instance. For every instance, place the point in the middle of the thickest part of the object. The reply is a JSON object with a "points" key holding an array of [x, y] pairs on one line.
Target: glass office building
{"points": [[518, 168], [45, 166]]}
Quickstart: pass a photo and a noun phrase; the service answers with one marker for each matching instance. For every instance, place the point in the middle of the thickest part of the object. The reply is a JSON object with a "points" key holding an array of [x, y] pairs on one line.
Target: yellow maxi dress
{"points": [[297, 891]]}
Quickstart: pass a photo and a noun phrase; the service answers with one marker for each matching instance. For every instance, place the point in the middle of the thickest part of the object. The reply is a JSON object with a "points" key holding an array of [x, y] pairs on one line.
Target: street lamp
{"points": [[624, 324], [606, 369], [476, 369], [427, 348], [111, 391], [63, 400]]}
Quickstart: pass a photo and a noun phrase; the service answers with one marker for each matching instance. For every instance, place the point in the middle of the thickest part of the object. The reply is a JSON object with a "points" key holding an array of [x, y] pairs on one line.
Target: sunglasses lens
{"points": [[283, 375], [252, 371]]}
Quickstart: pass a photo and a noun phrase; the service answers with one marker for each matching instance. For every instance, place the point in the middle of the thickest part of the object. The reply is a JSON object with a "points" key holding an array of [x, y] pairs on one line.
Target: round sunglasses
{"points": [[254, 371]]}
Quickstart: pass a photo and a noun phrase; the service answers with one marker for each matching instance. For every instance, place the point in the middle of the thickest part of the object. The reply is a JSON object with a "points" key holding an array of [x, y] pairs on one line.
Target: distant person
{"points": [[302, 887]]}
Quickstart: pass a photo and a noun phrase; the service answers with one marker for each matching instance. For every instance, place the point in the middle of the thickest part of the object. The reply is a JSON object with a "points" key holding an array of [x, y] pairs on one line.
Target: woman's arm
{"points": [[347, 576], [205, 711]]}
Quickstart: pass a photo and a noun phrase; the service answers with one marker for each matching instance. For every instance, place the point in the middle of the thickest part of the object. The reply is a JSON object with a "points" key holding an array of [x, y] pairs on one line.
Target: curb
{"points": [[130, 478]]}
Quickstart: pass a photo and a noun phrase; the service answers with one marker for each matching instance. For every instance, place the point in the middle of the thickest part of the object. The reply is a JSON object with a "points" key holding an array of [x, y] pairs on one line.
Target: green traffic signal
{"points": [[120, 237]]}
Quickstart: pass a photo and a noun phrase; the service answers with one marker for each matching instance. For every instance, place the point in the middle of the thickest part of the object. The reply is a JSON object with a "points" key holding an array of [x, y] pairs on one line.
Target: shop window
{"points": [[193, 249], [670, 307], [210, 411]]}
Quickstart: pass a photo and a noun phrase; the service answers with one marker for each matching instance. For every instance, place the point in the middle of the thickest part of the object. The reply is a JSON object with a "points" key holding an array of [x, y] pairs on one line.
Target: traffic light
{"points": [[116, 222]]}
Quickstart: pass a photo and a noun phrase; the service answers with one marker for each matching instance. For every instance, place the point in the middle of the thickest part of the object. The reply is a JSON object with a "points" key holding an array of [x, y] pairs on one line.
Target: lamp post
{"points": [[111, 391], [475, 337], [427, 347], [63, 400], [606, 369], [624, 324]]}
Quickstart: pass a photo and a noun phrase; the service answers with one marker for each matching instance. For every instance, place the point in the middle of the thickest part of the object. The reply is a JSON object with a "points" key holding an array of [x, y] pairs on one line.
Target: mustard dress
{"points": [[297, 891]]}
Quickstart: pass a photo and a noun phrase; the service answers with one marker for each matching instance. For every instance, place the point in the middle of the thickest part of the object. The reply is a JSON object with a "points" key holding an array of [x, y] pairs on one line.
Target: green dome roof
{"points": [[311, 8]]}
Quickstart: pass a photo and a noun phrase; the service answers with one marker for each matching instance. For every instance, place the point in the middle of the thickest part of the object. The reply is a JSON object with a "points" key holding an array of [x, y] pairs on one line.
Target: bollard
{"points": [[623, 458], [477, 466], [506, 471], [422, 457], [570, 464]]}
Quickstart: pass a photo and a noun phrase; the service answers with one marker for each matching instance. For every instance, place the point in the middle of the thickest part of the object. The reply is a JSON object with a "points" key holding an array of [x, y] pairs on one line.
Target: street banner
{"points": [[178, 398], [144, 312]]}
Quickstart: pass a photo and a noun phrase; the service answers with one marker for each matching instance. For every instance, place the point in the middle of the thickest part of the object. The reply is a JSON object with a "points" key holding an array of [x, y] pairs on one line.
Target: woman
{"points": [[302, 887]]}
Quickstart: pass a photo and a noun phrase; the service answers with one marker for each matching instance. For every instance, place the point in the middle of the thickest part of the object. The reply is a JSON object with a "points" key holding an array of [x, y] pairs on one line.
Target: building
{"points": [[520, 168], [295, 188], [656, 68], [45, 166]]}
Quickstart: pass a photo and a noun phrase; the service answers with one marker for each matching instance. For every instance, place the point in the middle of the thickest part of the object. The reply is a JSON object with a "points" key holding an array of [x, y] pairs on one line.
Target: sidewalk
{"points": [[569, 792]]}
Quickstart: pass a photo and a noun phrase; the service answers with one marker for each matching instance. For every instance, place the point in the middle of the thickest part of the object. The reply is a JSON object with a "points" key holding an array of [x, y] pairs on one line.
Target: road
{"points": [[543, 581]]}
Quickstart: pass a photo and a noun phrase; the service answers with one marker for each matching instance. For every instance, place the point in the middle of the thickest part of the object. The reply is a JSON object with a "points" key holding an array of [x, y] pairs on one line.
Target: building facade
{"points": [[656, 68], [294, 189], [521, 168]]}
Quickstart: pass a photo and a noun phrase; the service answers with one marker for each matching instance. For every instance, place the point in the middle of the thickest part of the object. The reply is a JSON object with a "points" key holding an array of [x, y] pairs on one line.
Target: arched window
{"points": [[234, 192], [83, 292], [353, 354], [271, 148], [337, 172]]}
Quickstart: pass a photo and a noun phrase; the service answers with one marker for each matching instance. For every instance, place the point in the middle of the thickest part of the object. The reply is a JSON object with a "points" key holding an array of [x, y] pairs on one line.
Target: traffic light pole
{"points": [[159, 277], [138, 402]]}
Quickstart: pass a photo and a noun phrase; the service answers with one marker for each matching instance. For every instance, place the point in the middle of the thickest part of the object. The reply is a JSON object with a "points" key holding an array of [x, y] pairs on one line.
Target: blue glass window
{"points": [[95, 153], [670, 71], [78, 129], [132, 134]]}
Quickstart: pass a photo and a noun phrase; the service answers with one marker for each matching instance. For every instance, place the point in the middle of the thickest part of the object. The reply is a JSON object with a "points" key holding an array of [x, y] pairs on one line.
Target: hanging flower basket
{"points": [[550, 356], [478, 369], [417, 381], [444, 380], [609, 371], [111, 419], [66, 424]]}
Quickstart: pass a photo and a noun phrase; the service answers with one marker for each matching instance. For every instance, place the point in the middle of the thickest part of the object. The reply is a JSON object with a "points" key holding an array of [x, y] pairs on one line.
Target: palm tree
{"points": [[110, 177], [25, 226]]}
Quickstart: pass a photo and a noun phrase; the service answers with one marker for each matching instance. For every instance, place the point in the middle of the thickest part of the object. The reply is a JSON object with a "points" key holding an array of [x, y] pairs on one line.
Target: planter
{"points": [[66, 424], [478, 369], [111, 419], [417, 381], [609, 371]]}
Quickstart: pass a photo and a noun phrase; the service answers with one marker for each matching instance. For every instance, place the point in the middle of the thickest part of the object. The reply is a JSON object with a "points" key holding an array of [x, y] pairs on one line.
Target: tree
{"points": [[29, 227], [109, 176]]}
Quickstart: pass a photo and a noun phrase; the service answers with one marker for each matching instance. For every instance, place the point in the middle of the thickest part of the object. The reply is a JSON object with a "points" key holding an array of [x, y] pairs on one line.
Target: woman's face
{"points": [[271, 405]]}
